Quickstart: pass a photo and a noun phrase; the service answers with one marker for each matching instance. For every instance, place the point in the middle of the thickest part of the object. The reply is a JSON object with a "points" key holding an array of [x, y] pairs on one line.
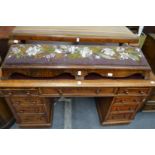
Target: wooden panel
{"points": [[70, 33], [133, 91], [148, 50], [6, 117], [103, 106]]}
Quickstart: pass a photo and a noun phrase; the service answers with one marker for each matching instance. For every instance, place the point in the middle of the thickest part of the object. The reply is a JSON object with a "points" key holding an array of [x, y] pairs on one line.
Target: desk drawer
{"points": [[77, 91], [24, 108], [152, 98], [10, 92], [133, 91], [128, 99], [33, 118], [120, 116], [19, 101], [127, 107]]}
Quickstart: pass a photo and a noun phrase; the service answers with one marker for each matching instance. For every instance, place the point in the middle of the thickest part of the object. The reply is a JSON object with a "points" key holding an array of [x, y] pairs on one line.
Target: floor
{"points": [[84, 116]]}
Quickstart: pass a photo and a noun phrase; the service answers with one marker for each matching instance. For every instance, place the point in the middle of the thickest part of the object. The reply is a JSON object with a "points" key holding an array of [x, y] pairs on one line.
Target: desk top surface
{"points": [[103, 33], [68, 56]]}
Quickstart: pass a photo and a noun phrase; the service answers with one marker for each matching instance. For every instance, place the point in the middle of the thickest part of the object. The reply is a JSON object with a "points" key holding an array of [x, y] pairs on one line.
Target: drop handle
{"points": [[28, 93], [60, 91], [10, 93], [121, 101], [126, 92], [98, 91], [141, 92]]}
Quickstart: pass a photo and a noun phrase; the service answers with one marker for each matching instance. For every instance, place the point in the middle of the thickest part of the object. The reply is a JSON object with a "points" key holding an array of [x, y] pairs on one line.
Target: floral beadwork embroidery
{"points": [[74, 52]]}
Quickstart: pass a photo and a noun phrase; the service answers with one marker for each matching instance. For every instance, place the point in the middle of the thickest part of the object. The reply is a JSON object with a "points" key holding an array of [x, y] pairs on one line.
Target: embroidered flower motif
{"points": [[97, 57], [15, 50], [138, 50], [124, 56], [58, 51], [49, 56], [85, 52], [32, 51], [108, 51]]}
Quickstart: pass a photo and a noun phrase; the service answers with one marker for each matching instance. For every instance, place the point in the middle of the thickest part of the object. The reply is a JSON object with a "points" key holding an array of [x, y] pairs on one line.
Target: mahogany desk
{"points": [[118, 77], [33, 75]]}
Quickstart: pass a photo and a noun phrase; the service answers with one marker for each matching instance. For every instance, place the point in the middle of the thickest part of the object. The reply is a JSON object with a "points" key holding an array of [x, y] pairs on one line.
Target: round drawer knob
{"points": [[126, 92], [10, 93], [28, 93], [141, 92]]}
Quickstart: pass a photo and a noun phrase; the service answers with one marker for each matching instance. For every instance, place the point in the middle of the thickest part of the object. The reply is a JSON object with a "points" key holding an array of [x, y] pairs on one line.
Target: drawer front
{"points": [[152, 98], [24, 108], [19, 101], [32, 118], [128, 99], [77, 91], [120, 116], [19, 92], [133, 91], [149, 107], [127, 107]]}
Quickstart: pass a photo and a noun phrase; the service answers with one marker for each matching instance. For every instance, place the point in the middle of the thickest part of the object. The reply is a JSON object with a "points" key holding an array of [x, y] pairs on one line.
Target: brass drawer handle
{"points": [[10, 93], [126, 92], [33, 102], [28, 93], [17, 102], [60, 92], [21, 111], [141, 92], [98, 91]]}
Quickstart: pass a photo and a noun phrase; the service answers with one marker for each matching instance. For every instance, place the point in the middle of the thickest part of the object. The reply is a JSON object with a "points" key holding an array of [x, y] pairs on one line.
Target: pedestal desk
{"points": [[35, 74]]}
